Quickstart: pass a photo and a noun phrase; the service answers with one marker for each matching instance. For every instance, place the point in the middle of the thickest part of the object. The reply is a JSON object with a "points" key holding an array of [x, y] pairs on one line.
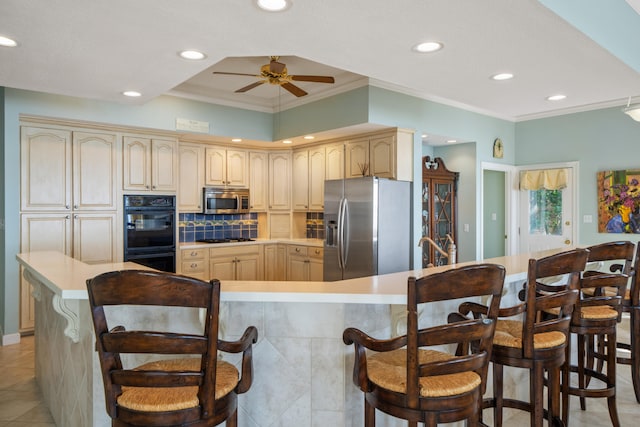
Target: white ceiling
{"points": [[97, 49]]}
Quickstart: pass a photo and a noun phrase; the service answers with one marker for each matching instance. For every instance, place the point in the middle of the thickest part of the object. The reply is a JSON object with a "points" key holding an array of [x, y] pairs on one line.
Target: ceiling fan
{"points": [[275, 73]]}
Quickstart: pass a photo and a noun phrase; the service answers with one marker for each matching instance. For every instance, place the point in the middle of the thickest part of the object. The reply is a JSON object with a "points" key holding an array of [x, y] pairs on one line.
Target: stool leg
{"points": [[581, 375], [497, 393], [611, 377], [369, 415], [232, 421], [554, 395], [536, 387], [635, 350], [566, 378]]}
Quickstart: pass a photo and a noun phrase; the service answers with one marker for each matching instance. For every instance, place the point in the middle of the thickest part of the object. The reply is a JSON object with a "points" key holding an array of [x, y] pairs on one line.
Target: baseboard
{"points": [[10, 339]]}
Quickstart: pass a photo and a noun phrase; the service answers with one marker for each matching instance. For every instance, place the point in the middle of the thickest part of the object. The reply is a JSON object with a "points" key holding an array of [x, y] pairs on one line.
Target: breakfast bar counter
{"points": [[302, 367]]}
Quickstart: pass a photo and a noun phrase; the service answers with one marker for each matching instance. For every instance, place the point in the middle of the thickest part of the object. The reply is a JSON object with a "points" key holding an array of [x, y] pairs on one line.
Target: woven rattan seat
{"points": [[411, 377]]}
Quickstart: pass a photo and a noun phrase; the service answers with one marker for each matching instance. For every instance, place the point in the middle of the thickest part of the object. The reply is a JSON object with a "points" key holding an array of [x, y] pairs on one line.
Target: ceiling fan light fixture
{"points": [[274, 5], [192, 55], [428, 47]]}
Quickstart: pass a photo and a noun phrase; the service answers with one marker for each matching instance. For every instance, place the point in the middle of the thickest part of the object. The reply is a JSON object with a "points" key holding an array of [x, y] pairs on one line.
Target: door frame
{"points": [[510, 205], [575, 172]]}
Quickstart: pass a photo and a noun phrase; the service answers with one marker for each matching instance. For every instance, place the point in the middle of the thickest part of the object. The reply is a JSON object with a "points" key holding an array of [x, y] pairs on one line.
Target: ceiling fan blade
{"points": [[316, 79], [294, 89], [251, 86], [236, 74], [276, 67]]}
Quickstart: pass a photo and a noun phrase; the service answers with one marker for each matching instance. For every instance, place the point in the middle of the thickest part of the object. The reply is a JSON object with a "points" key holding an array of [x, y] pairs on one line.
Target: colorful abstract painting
{"points": [[619, 201]]}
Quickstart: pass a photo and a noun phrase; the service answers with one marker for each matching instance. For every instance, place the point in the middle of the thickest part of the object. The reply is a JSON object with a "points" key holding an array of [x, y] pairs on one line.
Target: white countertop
{"points": [[67, 278]]}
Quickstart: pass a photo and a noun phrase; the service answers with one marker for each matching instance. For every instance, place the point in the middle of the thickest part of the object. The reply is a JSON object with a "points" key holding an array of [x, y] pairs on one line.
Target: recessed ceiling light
{"points": [[556, 97], [427, 47], [424, 136], [309, 137], [193, 55], [7, 42], [131, 93], [502, 76], [236, 140], [274, 5], [451, 141], [287, 141]]}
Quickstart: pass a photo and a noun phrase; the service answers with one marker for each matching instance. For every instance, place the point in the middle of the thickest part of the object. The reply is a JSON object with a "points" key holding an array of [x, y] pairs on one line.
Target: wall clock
{"points": [[498, 148]]}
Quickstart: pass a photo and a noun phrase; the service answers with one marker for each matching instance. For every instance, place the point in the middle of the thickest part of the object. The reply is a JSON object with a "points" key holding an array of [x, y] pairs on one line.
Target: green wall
{"points": [[600, 140]]}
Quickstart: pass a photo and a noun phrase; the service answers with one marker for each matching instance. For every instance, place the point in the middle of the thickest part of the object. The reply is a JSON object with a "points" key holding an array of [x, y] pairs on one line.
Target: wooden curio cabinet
{"points": [[439, 214]]}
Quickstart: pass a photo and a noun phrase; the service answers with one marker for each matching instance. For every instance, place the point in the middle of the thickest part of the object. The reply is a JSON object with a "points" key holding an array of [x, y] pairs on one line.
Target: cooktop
{"points": [[230, 240]]}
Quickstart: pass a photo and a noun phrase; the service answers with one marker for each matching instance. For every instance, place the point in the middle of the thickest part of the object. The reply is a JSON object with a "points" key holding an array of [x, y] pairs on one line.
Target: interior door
{"points": [[547, 217]]}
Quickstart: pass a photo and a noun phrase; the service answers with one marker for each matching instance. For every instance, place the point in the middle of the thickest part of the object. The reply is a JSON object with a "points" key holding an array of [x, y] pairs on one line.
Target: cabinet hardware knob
{"points": [[75, 206], [194, 253], [66, 206], [66, 217], [194, 265], [297, 249]]}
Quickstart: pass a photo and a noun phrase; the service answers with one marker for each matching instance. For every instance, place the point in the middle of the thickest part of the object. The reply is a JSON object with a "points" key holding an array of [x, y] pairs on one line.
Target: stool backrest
{"points": [[145, 288]]}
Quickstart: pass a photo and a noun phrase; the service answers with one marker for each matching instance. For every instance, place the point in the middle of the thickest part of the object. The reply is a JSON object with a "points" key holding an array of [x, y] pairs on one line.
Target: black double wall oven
{"points": [[150, 231]]}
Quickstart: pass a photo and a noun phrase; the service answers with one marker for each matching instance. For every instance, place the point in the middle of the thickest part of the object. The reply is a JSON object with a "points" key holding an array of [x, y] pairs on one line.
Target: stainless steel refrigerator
{"points": [[367, 227]]}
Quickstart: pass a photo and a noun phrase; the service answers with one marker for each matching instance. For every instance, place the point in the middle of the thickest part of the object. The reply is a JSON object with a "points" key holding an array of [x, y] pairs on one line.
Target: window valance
{"points": [[549, 179]]}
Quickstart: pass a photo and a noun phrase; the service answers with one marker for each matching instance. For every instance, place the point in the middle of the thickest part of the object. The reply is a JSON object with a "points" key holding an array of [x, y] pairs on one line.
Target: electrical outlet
{"points": [[465, 227], [587, 219]]}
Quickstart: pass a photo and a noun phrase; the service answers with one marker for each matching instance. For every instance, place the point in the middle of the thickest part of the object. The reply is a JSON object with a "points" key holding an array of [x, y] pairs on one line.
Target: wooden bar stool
{"points": [[596, 314], [197, 389], [532, 342], [421, 383]]}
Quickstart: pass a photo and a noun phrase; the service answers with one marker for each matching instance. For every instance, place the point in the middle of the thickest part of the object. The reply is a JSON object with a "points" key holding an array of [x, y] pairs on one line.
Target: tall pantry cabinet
{"points": [[68, 196]]}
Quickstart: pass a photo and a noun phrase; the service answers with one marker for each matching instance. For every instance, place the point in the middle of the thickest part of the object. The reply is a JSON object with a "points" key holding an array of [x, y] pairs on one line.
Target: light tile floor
{"points": [[21, 402], [20, 399]]}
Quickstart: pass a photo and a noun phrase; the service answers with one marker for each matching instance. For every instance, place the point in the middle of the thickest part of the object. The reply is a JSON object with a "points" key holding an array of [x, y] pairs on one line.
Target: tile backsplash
{"points": [[194, 226]]}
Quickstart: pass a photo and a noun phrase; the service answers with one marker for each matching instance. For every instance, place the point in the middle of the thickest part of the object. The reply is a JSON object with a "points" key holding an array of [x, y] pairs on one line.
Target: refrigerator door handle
{"points": [[341, 234], [344, 233]]}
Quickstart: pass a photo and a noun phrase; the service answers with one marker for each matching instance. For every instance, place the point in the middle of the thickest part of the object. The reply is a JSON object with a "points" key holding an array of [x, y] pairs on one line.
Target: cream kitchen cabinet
{"points": [[387, 155], [308, 179], [304, 263], [371, 157], [191, 177], [226, 167], [64, 170], [149, 164], [274, 262], [280, 180], [259, 181], [243, 262], [334, 161], [195, 263], [90, 237]]}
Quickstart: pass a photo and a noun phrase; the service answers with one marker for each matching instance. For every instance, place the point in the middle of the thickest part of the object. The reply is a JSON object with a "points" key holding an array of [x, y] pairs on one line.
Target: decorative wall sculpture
{"points": [[619, 201]]}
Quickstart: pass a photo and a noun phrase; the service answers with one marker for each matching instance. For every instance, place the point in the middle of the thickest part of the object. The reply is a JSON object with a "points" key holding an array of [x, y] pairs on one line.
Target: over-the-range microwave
{"points": [[219, 200]]}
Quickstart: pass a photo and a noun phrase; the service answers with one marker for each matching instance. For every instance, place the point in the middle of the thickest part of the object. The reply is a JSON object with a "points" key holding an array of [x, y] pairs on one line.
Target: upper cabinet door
{"points": [[216, 170], [191, 178], [94, 171], [164, 165], [136, 163], [45, 177], [334, 166], [300, 180], [280, 180], [357, 159], [382, 155], [316, 178], [237, 171], [259, 178]]}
